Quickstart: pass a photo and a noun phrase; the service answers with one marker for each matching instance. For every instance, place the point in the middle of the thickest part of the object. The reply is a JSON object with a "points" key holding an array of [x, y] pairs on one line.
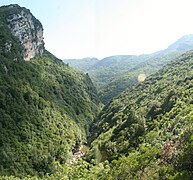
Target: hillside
{"points": [[46, 107], [144, 133], [148, 129], [49, 111]]}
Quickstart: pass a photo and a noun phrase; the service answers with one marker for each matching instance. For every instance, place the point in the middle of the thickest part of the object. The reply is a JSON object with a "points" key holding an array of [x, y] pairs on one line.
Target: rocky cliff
{"points": [[25, 28]]}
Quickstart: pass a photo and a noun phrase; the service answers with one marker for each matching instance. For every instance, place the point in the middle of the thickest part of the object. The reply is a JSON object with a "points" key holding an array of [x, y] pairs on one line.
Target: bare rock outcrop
{"points": [[28, 30]]}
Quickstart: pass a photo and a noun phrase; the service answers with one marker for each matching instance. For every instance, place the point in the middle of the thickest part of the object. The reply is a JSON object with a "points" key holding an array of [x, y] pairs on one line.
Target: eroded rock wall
{"points": [[29, 31]]}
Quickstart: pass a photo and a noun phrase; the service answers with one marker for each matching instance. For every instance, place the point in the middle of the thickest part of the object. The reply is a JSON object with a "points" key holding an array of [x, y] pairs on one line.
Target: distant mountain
{"points": [[149, 66], [83, 65], [108, 68], [103, 71], [112, 75], [183, 44]]}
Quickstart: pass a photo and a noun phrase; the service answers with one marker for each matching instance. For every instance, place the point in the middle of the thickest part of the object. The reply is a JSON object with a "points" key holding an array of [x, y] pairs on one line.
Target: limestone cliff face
{"points": [[28, 30]]}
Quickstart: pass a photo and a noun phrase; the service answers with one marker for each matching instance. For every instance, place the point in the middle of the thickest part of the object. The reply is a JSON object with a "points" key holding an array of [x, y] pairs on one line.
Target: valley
{"points": [[122, 117]]}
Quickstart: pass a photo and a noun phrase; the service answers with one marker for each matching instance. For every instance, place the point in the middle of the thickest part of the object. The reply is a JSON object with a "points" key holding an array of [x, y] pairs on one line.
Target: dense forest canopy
{"points": [[46, 107], [53, 125]]}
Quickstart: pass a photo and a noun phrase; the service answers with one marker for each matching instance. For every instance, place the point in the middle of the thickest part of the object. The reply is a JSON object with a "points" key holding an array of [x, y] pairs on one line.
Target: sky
{"points": [[102, 28]]}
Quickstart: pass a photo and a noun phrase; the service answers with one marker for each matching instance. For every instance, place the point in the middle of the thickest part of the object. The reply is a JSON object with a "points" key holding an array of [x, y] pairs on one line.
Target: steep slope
{"points": [[151, 125], [46, 107], [20, 33], [157, 60]]}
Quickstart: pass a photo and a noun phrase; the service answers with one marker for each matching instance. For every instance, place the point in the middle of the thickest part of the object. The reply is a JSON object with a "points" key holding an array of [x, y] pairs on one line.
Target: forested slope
{"points": [[46, 107], [48, 110], [144, 133], [148, 129]]}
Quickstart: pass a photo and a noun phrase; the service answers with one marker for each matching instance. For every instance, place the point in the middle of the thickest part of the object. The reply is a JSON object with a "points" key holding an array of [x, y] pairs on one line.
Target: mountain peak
{"points": [[185, 42]]}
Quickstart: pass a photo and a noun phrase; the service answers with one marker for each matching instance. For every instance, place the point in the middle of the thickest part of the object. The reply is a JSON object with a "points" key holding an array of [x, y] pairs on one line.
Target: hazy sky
{"points": [[101, 28]]}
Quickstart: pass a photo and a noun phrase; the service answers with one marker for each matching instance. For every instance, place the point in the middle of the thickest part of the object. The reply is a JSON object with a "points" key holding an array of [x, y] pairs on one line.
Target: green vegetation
{"points": [[145, 133], [48, 110], [46, 107], [101, 72], [149, 65], [148, 129], [127, 79]]}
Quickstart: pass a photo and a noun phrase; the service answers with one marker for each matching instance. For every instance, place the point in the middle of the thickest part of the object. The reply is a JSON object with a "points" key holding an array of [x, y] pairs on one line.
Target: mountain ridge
{"points": [[122, 72], [147, 67]]}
